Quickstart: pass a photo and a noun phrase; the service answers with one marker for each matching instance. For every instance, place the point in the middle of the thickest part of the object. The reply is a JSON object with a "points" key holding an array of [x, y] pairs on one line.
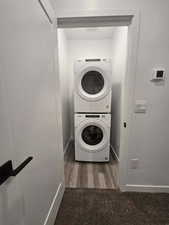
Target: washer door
{"points": [[92, 136], [93, 84]]}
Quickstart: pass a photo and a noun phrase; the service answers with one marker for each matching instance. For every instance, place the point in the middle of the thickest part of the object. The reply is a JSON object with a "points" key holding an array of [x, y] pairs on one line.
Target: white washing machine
{"points": [[92, 85], [92, 137]]}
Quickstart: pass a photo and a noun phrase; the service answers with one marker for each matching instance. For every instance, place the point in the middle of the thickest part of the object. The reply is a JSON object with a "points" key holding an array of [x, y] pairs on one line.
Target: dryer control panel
{"points": [[80, 117], [92, 116]]}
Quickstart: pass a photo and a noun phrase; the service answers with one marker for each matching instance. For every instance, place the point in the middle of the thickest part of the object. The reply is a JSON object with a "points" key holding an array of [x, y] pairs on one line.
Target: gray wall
{"points": [[119, 54], [66, 91]]}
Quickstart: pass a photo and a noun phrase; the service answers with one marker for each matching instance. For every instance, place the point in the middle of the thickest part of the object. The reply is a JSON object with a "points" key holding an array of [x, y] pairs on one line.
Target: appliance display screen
{"points": [[92, 116]]}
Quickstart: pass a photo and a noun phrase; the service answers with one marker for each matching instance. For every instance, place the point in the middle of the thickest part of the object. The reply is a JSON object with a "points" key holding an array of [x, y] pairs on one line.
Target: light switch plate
{"points": [[140, 106]]}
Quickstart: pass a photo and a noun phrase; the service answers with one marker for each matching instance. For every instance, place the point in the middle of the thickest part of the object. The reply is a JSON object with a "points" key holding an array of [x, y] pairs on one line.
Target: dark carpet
{"points": [[108, 207]]}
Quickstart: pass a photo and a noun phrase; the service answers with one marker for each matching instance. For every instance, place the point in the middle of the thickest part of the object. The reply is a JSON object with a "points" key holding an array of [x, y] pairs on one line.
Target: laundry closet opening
{"points": [[92, 68]]}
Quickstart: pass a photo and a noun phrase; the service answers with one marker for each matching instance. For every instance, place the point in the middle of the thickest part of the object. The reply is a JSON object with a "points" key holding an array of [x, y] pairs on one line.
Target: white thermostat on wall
{"points": [[158, 75]]}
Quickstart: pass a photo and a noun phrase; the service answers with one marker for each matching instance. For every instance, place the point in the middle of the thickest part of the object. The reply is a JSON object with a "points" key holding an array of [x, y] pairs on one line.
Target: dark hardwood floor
{"points": [[90, 175]]}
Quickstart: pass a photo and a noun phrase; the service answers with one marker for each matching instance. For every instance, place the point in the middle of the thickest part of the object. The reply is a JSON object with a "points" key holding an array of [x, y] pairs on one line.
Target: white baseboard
{"points": [[51, 216], [145, 188], [114, 152], [67, 145]]}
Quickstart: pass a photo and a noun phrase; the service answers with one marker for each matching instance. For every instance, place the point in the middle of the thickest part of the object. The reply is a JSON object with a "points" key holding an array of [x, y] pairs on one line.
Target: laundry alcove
{"points": [[82, 40]]}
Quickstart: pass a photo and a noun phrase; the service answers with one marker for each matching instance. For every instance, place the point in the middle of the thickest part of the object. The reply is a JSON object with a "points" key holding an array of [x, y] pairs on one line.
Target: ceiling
{"points": [[90, 33]]}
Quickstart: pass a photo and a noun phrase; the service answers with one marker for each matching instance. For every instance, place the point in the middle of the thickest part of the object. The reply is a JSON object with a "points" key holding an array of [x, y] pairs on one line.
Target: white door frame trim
{"points": [[54, 207], [127, 102], [48, 10], [93, 13]]}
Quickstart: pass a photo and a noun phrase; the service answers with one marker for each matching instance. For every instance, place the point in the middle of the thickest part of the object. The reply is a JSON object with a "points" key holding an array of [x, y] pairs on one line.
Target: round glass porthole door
{"points": [[92, 82], [92, 135]]}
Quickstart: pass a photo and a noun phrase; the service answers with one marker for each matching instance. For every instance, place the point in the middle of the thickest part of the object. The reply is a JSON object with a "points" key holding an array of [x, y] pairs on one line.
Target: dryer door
{"points": [[92, 136], [93, 83]]}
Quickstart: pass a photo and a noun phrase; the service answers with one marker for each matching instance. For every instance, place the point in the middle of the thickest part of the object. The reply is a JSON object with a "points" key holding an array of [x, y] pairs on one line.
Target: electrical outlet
{"points": [[134, 163]]}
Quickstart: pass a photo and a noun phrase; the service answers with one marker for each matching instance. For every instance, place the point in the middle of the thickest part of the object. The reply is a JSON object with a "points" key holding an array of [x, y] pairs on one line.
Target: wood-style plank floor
{"points": [[90, 175]]}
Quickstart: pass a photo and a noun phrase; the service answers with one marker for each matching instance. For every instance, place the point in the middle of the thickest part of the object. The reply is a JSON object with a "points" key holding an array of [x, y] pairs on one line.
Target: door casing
{"points": [[108, 17]]}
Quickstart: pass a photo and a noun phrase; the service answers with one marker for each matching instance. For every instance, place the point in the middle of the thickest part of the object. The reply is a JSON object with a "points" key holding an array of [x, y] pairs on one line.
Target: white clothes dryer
{"points": [[92, 85]]}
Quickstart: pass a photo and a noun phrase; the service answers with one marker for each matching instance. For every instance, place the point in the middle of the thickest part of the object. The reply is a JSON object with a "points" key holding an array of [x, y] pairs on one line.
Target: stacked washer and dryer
{"points": [[92, 107]]}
